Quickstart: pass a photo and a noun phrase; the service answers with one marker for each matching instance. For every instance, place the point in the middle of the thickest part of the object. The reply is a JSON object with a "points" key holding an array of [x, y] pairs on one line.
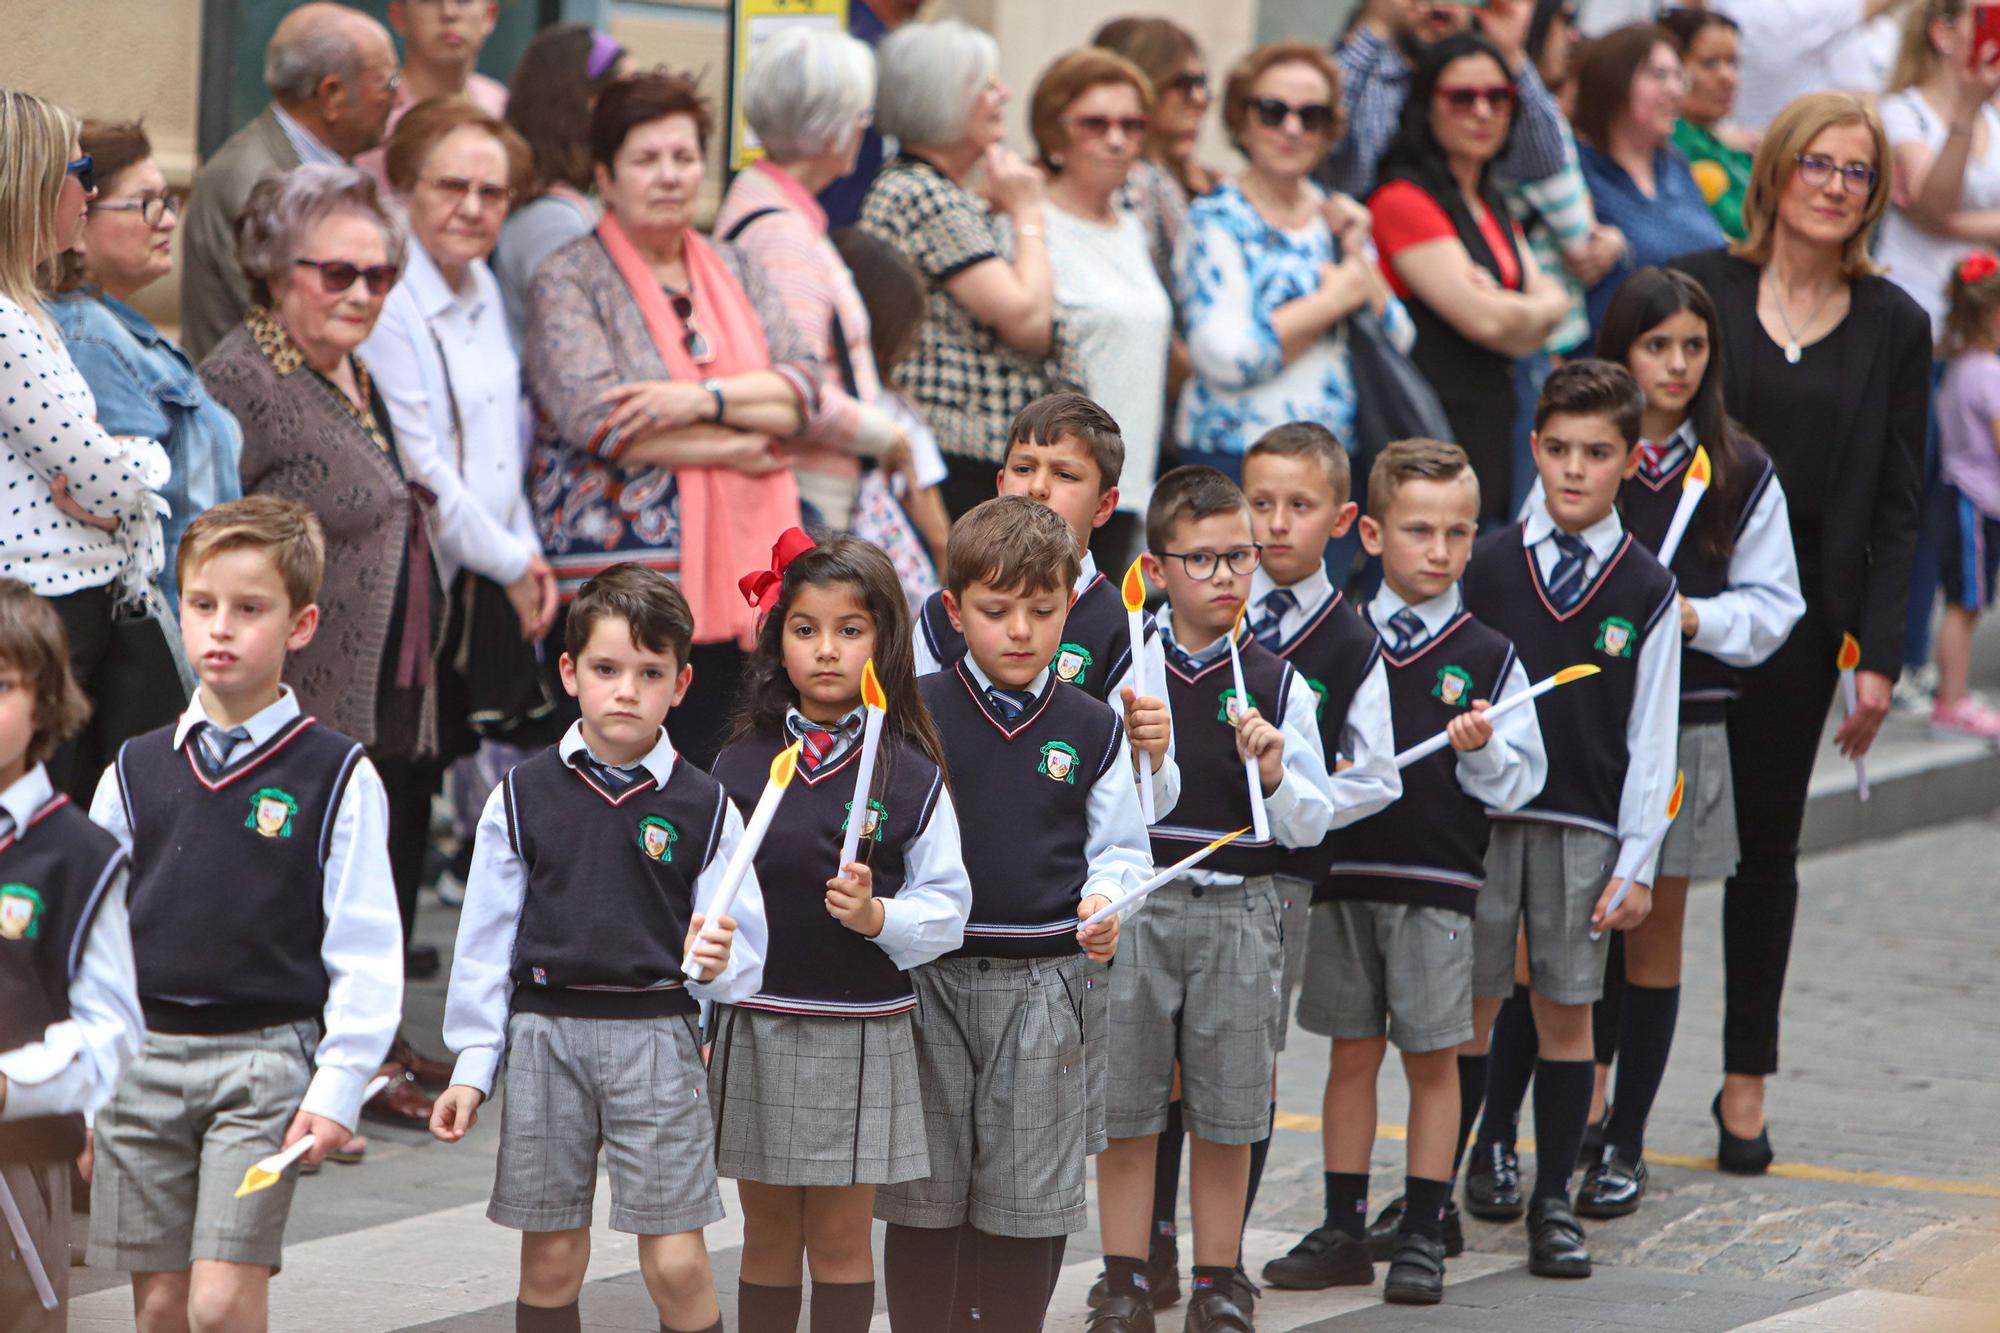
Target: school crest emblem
{"points": [[272, 810], [1454, 687], [1231, 708], [657, 838], [873, 820], [1058, 762], [1072, 663], [20, 912], [540, 977], [1614, 636]]}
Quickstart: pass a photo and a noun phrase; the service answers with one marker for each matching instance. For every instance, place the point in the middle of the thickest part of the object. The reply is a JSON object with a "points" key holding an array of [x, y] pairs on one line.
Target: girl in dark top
{"points": [[1828, 365]]}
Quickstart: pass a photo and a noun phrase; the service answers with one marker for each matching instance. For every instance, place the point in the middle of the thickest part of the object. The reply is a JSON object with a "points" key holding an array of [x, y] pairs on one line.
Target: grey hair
{"points": [[295, 68], [928, 75], [806, 91], [281, 210]]}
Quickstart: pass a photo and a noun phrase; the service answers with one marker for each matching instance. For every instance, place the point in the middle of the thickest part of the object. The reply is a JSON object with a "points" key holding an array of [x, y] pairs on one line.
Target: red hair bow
{"points": [[760, 587], [1977, 267]]}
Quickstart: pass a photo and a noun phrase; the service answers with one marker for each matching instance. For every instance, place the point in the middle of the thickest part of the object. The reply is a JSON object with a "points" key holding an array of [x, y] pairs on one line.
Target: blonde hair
{"points": [[1789, 134], [1916, 58], [35, 139], [285, 530]]}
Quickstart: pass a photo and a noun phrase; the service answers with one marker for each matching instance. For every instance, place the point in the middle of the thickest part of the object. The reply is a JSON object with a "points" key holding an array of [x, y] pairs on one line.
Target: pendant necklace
{"points": [[1792, 350]]}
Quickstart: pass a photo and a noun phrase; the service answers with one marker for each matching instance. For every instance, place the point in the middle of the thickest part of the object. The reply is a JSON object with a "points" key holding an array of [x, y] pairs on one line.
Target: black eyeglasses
{"points": [[1500, 97], [85, 172], [1188, 85], [696, 345], [337, 275], [1855, 177], [456, 188], [1201, 565], [1314, 117], [152, 208]]}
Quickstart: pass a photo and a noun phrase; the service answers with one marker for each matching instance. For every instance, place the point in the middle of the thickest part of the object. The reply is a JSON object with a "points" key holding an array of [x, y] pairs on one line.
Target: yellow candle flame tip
{"points": [[256, 1178], [1674, 801], [786, 764], [1699, 472], [872, 693], [1850, 652], [1134, 587], [1578, 672]]}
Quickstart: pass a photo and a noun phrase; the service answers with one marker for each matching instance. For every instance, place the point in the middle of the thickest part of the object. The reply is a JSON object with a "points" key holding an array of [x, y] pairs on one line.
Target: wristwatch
{"points": [[714, 387]]}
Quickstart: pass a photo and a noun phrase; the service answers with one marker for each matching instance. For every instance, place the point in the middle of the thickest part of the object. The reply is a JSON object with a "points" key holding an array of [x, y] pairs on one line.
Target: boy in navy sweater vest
{"points": [[1570, 586], [595, 865], [264, 926], [69, 1007], [1051, 832], [1391, 925]]}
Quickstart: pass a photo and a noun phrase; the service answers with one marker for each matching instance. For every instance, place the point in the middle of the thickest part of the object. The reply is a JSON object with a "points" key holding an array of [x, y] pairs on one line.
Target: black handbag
{"points": [[1392, 399]]}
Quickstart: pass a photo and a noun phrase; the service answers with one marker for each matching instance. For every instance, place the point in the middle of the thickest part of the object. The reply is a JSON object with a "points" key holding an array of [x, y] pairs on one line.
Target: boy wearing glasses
{"points": [[1201, 961]]}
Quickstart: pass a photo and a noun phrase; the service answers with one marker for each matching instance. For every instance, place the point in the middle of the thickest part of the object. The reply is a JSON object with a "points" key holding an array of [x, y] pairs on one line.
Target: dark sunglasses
{"points": [[1500, 97], [1314, 117], [1855, 177], [1188, 85], [696, 345], [85, 172], [337, 275], [1098, 127]]}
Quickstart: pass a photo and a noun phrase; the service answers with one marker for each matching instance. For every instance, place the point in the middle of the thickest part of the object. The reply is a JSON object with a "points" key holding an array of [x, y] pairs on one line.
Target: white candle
{"points": [[1652, 847], [1424, 749], [875, 707], [1124, 901], [1693, 487], [738, 868], [265, 1173], [1850, 658], [1260, 823], [1134, 590]]}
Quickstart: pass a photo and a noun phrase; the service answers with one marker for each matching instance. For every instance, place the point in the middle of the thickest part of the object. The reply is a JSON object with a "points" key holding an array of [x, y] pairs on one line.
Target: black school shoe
{"points": [[1121, 1314], [1613, 1186], [1593, 1141], [1163, 1276], [1416, 1274], [1324, 1258], [1383, 1231], [1555, 1241], [1493, 1184], [1737, 1156], [1216, 1311]]}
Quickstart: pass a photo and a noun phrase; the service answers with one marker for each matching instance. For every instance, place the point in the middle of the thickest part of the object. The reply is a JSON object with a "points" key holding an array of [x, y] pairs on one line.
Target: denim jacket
{"points": [[146, 386]]}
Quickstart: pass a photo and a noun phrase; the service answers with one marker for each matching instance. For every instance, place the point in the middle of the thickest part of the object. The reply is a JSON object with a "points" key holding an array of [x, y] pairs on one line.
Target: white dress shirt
{"points": [[926, 917], [1371, 781], [1300, 810], [362, 944], [309, 146], [446, 367], [1652, 730], [1508, 771], [76, 1064], [480, 998], [1116, 845]]}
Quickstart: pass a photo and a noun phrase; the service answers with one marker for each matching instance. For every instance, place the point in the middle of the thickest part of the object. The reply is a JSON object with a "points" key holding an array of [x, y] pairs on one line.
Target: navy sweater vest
{"points": [[1097, 639], [1215, 795], [53, 876], [815, 965], [229, 877], [1333, 653], [611, 886], [1583, 723], [1647, 506], [1023, 794], [1429, 848]]}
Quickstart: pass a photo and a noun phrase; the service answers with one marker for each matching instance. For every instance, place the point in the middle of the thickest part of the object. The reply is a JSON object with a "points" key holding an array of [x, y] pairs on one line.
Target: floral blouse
{"points": [[1232, 270]]}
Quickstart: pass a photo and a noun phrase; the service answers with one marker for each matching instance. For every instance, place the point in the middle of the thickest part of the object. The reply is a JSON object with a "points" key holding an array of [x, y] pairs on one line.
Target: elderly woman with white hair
{"points": [[986, 347], [808, 96]]}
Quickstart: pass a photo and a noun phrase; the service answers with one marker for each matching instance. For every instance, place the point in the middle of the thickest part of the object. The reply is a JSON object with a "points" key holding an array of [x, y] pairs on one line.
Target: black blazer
{"points": [[1874, 476]]}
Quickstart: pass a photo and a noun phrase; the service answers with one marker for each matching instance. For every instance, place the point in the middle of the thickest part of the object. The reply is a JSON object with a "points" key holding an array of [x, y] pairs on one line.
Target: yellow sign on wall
{"points": [[752, 22]]}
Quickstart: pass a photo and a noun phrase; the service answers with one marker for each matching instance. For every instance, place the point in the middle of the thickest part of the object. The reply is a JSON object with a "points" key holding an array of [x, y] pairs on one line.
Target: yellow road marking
{"points": [[1310, 1124]]}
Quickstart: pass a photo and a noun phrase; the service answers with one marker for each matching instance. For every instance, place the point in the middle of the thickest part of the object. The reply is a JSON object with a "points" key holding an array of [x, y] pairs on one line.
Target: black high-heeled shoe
{"points": [[1740, 1156]]}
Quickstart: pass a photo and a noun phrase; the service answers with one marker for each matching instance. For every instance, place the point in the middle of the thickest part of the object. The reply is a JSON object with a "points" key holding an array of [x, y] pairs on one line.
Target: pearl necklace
{"points": [[1793, 352]]}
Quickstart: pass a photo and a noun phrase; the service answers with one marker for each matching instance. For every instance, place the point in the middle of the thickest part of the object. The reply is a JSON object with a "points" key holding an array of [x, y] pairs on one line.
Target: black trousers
{"points": [[127, 672], [409, 785], [1774, 737]]}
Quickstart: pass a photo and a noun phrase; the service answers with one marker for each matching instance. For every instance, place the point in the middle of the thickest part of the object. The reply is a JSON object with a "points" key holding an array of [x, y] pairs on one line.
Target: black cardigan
{"points": [[1874, 475]]}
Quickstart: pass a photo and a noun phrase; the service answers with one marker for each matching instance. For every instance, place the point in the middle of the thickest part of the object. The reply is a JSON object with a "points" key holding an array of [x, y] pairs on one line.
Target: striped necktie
{"points": [[614, 780], [1011, 703], [817, 744], [1276, 603], [1566, 581], [1409, 629], [218, 743]]}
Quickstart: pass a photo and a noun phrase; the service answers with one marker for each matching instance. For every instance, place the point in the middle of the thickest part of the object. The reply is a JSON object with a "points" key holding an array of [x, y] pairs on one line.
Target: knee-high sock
{"points": [[1509, 1066], [920, 1269], [1259, 1151], [1167, 1174], [762, 1309], [1604, 1015], [837, 1307], [547, 1318], [1471, 1096], [1562, 1109], [1645, 1038], [1017, 1276]]}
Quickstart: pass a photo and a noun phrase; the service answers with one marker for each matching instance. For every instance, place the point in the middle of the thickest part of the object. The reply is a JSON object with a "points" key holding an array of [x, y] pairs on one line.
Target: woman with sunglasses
{"points": [[83, 531], [1452, 251], [321, 251], [1271, 268], [1629, 85], [664, 370], [1167, 177], [1827, 364], [144, 383]]}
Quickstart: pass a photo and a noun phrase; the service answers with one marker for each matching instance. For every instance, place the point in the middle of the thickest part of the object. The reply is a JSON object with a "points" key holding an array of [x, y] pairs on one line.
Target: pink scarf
{"points": [[728, 520]]}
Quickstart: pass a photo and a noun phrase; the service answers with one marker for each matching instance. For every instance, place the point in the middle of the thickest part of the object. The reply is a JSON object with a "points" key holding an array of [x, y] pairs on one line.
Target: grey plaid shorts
{"points": [[1294, 901], [1375, 967], [1546, 877]]}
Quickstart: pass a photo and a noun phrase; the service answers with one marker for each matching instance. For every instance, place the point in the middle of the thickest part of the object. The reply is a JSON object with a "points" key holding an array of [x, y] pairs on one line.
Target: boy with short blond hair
{"points": [[264, 924]]}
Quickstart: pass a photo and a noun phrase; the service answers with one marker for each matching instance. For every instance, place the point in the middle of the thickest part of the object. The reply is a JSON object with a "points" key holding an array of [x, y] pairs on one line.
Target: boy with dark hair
{"points": [[1391, 940], [69, 1013], [568, 973], [268, 944], [1051, 830], [1199, 980], [1568, 585]]}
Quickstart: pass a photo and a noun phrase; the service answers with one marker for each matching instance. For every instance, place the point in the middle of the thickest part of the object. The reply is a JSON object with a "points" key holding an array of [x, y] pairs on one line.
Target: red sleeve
{"points": [[1405, 216]]}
